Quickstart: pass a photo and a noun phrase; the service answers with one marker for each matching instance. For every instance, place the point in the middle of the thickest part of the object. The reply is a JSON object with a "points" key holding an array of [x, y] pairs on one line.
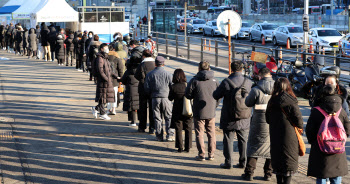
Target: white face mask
{"points": [[90, 36], [106, 50]]}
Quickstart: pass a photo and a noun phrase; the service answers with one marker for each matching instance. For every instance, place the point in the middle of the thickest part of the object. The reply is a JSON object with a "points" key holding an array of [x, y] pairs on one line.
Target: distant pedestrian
{"points": [[60, 50], [283, 113], [144, 20], [92, 54], [178, 120], [19, 40], [322, 165], [53, 42], [119, 48], [200, 89], [259, 136], [33, 43], [131, 94], [146, 66], [8, 37], [78, 51], [135, 49], [2, 37], [45, 42], [82, 55], [69, 49], [231, 124], [25, 42], [104, 86], [157, 84], [39, 50], [117, 66]]}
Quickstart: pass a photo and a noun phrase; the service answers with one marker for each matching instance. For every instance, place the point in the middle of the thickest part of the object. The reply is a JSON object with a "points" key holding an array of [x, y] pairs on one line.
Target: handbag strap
{"points": [[300, 130]]}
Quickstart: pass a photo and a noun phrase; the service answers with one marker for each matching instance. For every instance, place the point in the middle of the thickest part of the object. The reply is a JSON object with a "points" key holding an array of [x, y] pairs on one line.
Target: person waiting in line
{"points": [[33, 43], [44, 33], [53, 42], [69, 49], [321, 165], [259, 137], [59, 53], [92, 54], [104, 86], [282, 114], [179, 121], [200, 89], [19, 40]]}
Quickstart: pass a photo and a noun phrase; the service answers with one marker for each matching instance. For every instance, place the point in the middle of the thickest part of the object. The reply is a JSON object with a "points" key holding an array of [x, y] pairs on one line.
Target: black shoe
{"points": [[141, 130], [240, 166], [151, 131], [160, 139], [247, 177], [267, 177], [187, 150], [225, 166], [199, 158], [180, 150]]}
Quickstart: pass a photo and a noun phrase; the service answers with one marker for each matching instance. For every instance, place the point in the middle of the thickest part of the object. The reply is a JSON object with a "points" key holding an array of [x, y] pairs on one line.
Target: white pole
{"points": [[306, 12]]}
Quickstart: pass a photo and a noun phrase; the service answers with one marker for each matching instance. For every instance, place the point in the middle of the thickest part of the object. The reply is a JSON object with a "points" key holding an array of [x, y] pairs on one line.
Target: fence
{"points": [[216, 52]]}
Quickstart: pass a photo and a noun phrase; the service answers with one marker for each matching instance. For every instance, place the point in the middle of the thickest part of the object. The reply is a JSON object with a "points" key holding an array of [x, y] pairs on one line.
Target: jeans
{"points": [[162, 107], [336, 180]]}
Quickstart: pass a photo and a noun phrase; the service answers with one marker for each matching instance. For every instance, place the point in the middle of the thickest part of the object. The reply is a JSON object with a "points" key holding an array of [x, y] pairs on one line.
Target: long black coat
{"points": [[69, 43], [283, 139], [25, 39], [104, 86], [322, 165], [131, 95], [177, 93], [59, 48], [117, 66], [32, 40], [19, 40], [53, 39], [44, 33]]}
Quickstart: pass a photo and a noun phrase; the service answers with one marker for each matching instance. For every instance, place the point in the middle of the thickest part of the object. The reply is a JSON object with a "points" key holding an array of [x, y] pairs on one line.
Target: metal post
{"points": [[166, 43], [185, 31], [134, 34], [202, 41], [157, 42], [229, 47], [268, 7], [149, 18], [276, 52], [337, 63], [233, 52], [297, 50], [216, 53], [306, 12], [177, 46], [334, 56], [253, 48], [349, 19], [188, 47]]}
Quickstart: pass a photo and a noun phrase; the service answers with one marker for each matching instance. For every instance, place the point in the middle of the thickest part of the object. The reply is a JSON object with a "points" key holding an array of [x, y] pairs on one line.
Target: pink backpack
{"points": [[331, 136]]}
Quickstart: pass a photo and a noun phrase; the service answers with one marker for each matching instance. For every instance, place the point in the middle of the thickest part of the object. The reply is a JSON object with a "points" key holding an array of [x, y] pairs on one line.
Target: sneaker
{"points": [[28, 57], [80, 70], [225, 166], [210, 158], [267, 177], [170, 139], [105, 117], [199, 158], [94, 112], [141, 130], [45, 60], [132, 124], [247, 177], [112, 113]]}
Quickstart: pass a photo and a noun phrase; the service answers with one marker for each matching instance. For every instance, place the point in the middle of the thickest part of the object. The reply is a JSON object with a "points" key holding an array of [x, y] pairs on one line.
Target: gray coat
{"points": [[158, 83], [227, 121], [259, 135], [33, 40], [200, 89]]}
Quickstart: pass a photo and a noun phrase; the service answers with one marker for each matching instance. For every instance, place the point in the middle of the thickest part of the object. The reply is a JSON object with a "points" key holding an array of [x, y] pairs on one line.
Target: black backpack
{"points": [[238, 109]]}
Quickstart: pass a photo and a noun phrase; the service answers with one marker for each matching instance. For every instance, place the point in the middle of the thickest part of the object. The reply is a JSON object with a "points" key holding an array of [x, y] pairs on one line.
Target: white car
{"points": [[244, 32], [261, 30], [293, 33], [196, 26], [327, 37], [211, 28]]}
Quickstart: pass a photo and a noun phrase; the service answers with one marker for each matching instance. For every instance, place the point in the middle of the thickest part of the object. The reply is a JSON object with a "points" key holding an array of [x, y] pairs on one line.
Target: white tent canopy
{"points": [[26, 9], [14, 2], [53, 11]]}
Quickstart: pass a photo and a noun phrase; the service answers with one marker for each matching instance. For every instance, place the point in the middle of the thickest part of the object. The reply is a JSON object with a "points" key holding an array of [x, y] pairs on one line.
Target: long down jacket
{"points": [[322, 165], [33, 40], [131, 96], [259, 136], [283, 139], [104, 86], [53, 39], [60, 48]]}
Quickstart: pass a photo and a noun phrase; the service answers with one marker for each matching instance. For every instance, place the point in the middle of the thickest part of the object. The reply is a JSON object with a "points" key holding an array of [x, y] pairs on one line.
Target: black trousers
{"points": [[242, 136], [78, 62], [132, 116], [101, 107], [283, 179], [187, 126], [251, 166], [32, 53], [60, 61], [145, 103]]}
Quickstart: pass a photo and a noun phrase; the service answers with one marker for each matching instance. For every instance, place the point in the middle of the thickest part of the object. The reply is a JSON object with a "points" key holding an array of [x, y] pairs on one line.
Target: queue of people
{"points": [[263, 116]]}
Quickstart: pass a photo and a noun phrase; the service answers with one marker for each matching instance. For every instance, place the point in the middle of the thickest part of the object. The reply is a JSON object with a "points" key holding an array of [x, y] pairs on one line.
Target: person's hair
{"points": [[110, 47], [264, 72], [204, 65], [134, 42], [91, 32], [179, 76], [96, 37], [19, 24], [236, 66], [103, 45], [282, 85], [150, 36], [37, 26], [147, 53], [337, 89]]}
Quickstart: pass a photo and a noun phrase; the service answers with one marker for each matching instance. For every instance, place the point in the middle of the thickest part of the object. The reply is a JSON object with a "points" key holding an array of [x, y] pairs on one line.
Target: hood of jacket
{"points": [[331, 103], [113, 53], [266, 85], [32, 31], [205, 75], [52, 29], [285, 99], [118, 46]]}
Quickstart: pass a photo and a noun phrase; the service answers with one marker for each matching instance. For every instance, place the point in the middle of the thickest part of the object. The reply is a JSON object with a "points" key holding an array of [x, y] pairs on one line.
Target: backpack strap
{"points": [[325, 114], [232, 84]]}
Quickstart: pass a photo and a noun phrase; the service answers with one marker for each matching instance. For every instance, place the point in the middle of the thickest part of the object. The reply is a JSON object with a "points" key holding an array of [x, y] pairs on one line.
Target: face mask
{"points": [[90, 36], [329, 89], [106, 50]]}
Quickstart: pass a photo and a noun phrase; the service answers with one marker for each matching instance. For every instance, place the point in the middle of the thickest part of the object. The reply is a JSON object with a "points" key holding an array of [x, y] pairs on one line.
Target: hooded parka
{"points": [[104, 86]]}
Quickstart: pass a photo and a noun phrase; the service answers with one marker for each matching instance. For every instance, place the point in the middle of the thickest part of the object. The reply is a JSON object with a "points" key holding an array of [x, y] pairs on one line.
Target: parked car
{"points": [[211, 28], [344, 46], [291, 32], [181, 24], [261, 30], [196, 26], [327, 37], [244, 32]]}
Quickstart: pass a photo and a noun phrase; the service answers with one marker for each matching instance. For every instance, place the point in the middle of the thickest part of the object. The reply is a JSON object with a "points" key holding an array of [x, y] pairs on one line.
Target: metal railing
{"points": [[219, 50]]}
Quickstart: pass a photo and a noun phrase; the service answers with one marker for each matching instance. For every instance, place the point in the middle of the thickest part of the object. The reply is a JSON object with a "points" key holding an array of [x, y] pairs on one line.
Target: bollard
{"points": [[297, 50], [323, 50], [263, 41], [166, 43], [288, 44], [216, 53], [205, 43], [337, 63], [311, 50], [209, 45], [334, 56], [280, 52]]}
